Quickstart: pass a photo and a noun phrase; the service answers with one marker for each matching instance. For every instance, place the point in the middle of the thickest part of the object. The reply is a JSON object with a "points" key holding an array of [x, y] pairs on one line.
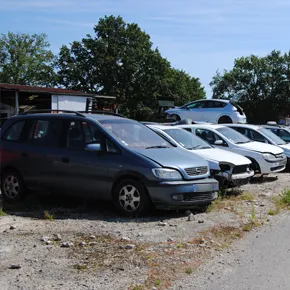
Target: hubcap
{"points": [[11, 187], [129, 198]]}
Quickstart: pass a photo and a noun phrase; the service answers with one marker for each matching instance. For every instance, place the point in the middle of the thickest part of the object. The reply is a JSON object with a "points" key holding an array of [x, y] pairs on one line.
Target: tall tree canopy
{"points": [[266, 81], [26, 59], [119, 60]]}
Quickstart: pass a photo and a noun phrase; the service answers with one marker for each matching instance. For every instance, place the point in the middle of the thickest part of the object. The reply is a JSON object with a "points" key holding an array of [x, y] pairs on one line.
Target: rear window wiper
{"points": [[157, 146]]}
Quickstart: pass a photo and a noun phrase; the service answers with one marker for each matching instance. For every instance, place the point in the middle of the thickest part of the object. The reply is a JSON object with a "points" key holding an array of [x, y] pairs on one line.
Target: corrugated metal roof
{"points": [[33, 89]]}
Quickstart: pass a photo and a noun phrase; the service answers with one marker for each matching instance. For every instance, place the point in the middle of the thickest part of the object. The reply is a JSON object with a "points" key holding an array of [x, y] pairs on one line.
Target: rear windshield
{"points": [[134, 135]]}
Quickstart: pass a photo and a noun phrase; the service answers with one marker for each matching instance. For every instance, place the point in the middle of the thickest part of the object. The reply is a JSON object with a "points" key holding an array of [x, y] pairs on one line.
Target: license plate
{"points": [[275, 164]]}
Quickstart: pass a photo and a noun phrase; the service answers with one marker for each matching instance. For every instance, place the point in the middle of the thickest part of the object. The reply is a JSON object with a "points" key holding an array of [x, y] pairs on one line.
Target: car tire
{"points": [[175, 118], [131, 199], [255, 165], [225, 120], [12, 186]]}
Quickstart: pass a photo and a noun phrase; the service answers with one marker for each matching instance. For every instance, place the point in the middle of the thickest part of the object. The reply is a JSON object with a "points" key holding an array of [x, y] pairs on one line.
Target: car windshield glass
{"points": [[187, 139], [273, 137], [134, 135], [233, 135]]}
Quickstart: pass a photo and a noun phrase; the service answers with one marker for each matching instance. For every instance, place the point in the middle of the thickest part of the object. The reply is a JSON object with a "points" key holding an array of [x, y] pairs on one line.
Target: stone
{"points": [[93, 237], [48, 243], [200, 221], [92, 243], [82, 244], [44, 239], [169, 240], [125, 239], [162, 224], [130, 247], [15, 266], [57, 237], [191, 217], [67, 244], [12, 227]]}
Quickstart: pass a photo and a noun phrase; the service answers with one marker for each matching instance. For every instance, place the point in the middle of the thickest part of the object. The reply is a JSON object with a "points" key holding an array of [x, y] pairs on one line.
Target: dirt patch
{"points": [[71, 244]]}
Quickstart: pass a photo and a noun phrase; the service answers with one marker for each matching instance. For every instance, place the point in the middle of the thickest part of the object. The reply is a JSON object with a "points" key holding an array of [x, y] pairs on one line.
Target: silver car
{"points": [[209, 110]]}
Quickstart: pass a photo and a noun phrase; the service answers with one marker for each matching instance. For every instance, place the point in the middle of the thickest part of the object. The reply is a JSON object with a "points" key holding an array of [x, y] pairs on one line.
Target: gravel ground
{"points": [[64, 243]]}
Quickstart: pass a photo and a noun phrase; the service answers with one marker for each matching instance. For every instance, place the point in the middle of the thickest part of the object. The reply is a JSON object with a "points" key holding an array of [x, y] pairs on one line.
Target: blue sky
{"points": [[199, 36]]}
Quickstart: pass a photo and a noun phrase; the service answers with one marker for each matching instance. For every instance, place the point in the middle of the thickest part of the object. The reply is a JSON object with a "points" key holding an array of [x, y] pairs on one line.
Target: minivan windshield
{"points": [[134, 135], [187, 139], [233, 135], [273, 137]]}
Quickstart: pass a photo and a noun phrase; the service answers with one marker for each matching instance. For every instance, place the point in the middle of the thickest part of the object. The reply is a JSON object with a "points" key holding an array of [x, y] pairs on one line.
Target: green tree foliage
{"points": [[266, 81], [119, 60], [26, 59]]}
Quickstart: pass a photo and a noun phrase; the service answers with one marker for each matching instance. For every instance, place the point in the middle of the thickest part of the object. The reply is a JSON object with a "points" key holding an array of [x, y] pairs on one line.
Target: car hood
{"points": [[286, 149], [262, 147], [223, 156], [173, 157]]}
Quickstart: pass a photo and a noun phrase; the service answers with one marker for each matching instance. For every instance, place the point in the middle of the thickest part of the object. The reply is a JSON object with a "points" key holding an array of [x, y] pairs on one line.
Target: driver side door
{"points": [[211, 138], [194, 111]]}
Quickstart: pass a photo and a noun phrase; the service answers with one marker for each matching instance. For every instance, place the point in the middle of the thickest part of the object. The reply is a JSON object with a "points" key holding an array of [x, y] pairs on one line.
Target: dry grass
{"points": [[2, 213]]}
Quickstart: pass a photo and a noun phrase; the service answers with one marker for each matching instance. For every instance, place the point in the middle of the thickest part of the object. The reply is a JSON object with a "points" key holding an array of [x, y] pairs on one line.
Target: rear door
{"points": [[213, 110]]}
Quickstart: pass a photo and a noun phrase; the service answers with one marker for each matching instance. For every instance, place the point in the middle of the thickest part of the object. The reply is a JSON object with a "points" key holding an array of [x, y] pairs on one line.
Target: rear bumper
{"points": [[183, 194]]}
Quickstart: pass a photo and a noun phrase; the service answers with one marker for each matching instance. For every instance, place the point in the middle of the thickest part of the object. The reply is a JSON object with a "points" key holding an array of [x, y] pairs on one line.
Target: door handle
{"points": [[24, 154], [65, 159]]}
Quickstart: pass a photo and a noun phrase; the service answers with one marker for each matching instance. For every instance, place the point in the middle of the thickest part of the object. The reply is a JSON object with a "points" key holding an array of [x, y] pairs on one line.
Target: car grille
{"points": [[240, 169], [198, 196], [193, 171]]}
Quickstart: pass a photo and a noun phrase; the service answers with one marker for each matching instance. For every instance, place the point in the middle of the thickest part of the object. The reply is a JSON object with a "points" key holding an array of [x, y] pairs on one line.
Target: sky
{"points": [[198, 36]]}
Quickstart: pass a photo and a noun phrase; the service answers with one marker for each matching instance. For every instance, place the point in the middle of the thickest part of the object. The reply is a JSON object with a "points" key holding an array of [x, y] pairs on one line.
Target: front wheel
{"points": [[175, 118], [130, 198], [12, 186]]}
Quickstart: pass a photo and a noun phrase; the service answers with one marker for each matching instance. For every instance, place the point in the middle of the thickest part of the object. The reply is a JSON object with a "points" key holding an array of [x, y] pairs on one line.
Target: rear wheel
{"points": [[130, 198], [225, 120], [12, 186]]}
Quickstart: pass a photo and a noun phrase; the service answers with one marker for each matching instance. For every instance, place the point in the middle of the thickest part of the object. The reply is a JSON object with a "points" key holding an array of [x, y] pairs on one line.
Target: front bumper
{"points": [[267, 167], [226, 179], [183, 194]]}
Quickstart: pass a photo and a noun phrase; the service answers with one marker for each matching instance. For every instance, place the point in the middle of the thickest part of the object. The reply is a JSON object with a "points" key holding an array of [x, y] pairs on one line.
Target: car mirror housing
{"points": [[93, 147], [219, 142]]}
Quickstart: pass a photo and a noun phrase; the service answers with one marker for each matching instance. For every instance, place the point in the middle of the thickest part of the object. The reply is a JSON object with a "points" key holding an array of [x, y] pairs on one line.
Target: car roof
{"points": [[162, 127], [249, 126], [204, 125], [218, 100]]}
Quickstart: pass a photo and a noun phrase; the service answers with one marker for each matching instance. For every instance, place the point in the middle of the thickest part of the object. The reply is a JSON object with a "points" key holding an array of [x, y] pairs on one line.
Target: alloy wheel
{"points": [[11, 187], [129, 198]]}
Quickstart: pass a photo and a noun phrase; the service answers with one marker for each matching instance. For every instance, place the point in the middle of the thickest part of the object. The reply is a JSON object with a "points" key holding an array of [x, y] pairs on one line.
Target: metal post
{"points": [[16, 103]]}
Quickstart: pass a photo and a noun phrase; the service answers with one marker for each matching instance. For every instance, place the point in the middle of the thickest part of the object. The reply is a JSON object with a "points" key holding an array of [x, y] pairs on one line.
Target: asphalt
{"points": [[260, 261]]}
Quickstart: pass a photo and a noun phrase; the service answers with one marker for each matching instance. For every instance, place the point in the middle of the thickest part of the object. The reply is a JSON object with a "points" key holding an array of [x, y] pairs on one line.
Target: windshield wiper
{"points": [[157, 146], [243, 142]]}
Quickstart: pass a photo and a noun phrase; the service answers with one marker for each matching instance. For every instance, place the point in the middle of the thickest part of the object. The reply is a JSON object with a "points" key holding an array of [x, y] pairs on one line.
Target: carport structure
{"points": [[19, 98]]}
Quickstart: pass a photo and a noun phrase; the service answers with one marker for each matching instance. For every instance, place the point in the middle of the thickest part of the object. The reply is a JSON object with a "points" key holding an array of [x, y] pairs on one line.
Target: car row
{"points": [[136, 166]]}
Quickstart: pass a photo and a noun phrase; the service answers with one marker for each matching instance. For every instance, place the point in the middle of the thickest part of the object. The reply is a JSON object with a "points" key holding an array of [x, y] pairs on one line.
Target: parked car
{"points": [[210, 110], [261, 134], [280, 130], [101, 156], [265, 158], [230, 169]]}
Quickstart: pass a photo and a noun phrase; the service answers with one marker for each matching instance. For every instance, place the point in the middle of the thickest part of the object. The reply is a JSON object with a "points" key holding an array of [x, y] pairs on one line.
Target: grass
{"points": [[2, 213], [188, 271], [48, 216], [282, 201]]}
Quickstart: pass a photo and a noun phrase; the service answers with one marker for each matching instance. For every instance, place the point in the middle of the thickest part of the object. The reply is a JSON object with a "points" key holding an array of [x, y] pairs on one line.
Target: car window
{"points": [[258, 137], [283, 134], [196, 105], [274, 138], [214, 104], [14, 132], [209, 136], [186, 139], [187, 129], [243, 131], [81, 133], [233, 135], [134, 134], [46, 133]]}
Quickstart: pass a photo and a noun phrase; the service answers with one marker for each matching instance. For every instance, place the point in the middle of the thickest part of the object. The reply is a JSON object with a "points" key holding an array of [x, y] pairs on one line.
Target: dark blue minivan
{"points": [[102, 156]]}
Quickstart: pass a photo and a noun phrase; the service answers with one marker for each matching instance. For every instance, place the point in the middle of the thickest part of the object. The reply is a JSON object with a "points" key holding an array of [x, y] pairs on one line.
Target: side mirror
{"points": [[219, 142], [93, 147]]}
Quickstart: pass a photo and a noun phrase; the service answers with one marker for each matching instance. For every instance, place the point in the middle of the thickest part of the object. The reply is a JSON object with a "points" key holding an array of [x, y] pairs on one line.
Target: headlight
{"points": [[269, 157], [166, 173]]}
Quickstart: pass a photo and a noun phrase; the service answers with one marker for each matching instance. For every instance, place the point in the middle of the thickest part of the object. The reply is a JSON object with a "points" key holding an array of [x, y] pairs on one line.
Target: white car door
{"points": [[194, 111]]}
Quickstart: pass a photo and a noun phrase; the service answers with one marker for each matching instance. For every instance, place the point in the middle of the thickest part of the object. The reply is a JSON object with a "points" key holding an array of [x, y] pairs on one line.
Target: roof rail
{"points": [[50, 110], [101, 113]]}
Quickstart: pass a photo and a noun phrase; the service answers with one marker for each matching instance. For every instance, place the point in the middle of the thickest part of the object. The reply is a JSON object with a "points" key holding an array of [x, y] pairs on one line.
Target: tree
{"points": [[119, 60], [266, 81], [25, 59]]}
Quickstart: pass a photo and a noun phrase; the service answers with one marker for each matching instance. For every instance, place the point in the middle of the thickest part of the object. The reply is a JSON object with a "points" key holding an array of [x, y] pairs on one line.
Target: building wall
{"points": [[72, 103]]}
